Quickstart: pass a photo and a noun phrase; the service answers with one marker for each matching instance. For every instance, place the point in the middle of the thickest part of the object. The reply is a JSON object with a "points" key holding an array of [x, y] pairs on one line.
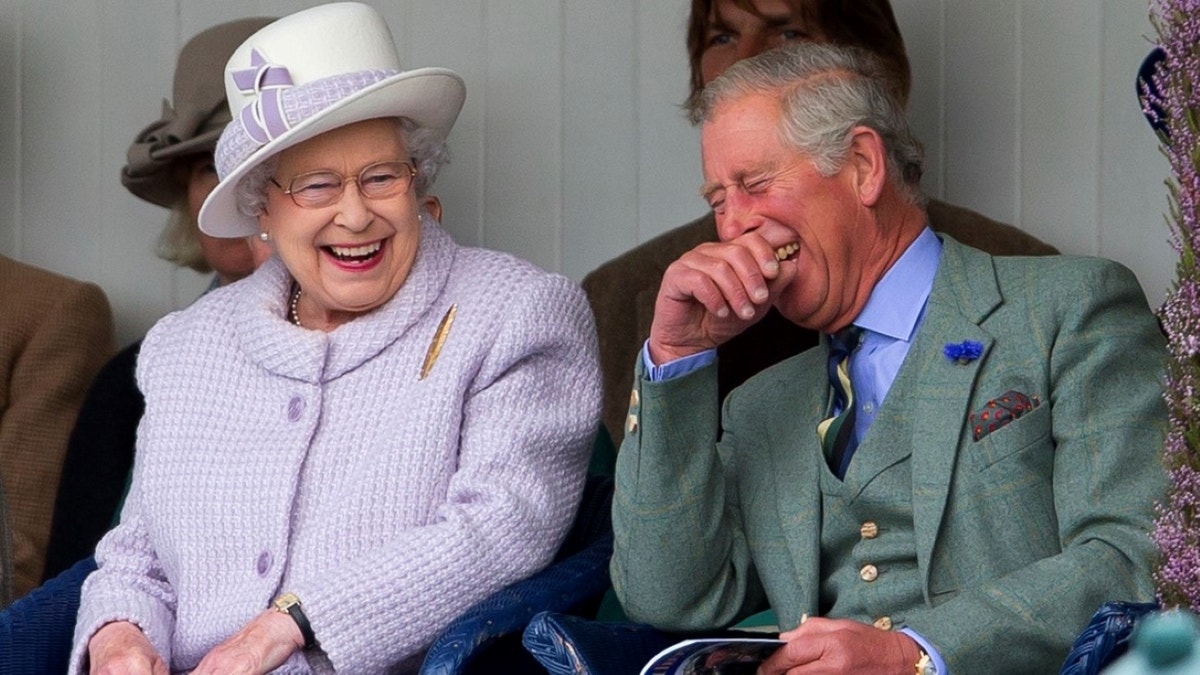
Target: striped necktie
{"points": [[838, 439]]}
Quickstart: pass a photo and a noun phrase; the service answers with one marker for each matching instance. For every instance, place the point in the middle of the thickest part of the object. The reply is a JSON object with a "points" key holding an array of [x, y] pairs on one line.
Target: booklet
{"points": [[712, 656]]}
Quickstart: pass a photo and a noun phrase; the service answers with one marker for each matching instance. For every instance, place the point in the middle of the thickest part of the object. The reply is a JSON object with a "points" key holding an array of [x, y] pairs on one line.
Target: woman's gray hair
{"points": [[825, 91], [179, 242], [427, 150]]}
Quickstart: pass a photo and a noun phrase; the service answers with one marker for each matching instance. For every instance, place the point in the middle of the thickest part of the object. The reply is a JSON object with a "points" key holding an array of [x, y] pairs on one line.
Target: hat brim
{"points": [[160, 185], [431, 97]]}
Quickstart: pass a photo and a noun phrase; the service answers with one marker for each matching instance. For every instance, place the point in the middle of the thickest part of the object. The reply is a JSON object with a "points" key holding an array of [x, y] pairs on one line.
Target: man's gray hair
{"points": [[426, 149], [825, 91]]}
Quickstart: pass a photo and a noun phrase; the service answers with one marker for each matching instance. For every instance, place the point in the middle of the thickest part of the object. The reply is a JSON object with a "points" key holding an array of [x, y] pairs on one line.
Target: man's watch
{"points": [[289, 604], [925, 665]]}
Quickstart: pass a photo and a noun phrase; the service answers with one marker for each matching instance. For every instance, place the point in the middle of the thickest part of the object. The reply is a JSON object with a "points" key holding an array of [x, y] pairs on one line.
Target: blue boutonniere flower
{"points": [[963, 352]]}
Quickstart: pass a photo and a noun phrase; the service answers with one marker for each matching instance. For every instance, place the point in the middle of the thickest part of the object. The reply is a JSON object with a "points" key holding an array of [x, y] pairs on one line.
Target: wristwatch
{"points": [[289, 604], [925, 665]]}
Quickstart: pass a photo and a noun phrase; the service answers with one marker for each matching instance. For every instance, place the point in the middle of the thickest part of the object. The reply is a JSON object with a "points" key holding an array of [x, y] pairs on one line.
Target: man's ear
{"points": [[868, 160], [433, 205]]}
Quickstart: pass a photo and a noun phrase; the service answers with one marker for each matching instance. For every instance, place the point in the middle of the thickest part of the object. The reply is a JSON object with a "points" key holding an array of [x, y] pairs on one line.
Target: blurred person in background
{"points": [[55, 334]]}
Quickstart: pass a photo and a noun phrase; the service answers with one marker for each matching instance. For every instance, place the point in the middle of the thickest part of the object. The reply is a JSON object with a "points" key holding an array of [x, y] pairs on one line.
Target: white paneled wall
{"points": [[1029, 114], [572, 147]]}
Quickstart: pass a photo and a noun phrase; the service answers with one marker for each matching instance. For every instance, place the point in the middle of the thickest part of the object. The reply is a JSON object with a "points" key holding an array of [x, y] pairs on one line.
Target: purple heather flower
{"points": [[1177, 85]]}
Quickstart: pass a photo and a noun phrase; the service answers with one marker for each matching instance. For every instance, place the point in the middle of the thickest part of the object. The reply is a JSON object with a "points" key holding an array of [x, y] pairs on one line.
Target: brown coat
{"points": [[55, 335], [622, 293]]}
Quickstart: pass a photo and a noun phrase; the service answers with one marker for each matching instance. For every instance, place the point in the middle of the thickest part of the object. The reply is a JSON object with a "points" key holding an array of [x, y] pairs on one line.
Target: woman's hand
{"points": [[259, 647], [121, 648]]}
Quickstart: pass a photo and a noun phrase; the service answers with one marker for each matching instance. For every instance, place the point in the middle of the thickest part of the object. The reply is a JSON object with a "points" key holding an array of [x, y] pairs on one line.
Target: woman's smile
{"points": [[360, 257]]}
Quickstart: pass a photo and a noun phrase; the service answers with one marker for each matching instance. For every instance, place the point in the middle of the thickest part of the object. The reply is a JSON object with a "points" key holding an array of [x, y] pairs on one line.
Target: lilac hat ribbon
{"points": [[263, 119]]}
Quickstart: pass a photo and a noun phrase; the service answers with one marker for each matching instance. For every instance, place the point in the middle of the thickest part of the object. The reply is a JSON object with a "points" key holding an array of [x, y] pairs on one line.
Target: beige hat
{"points": [[312, 72], [193, 119]]}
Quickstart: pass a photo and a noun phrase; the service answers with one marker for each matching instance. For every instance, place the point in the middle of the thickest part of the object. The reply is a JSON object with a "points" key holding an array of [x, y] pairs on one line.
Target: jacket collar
{"points": [[268, 339]]}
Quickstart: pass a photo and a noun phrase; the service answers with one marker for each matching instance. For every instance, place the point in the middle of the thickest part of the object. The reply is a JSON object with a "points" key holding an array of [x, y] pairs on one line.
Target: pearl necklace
{"points": [[294, 305]]}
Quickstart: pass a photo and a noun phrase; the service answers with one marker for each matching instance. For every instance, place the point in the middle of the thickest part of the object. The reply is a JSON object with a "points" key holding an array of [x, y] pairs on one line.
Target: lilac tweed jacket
{"points": [[273, 458]]}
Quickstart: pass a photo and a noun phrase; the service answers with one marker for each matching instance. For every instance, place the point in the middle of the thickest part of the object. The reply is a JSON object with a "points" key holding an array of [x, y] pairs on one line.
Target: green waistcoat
{"points": [[868, 549]]}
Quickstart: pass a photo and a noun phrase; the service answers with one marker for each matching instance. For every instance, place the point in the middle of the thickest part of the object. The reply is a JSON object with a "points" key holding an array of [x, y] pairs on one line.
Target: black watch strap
{"points": [[290, 604]]}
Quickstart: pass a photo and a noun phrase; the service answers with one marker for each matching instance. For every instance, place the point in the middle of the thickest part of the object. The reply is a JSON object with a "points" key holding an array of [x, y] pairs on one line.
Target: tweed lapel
{"points": [[964, 293], [796, 462]]}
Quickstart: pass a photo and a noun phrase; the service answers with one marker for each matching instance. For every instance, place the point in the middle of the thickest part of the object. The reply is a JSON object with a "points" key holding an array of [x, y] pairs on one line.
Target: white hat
{"points": [[309, 73]]}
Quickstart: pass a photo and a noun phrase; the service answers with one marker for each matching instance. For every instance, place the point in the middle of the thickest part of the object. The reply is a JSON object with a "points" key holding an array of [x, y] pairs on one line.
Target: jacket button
{"points": [[631, 423], [295, 409], [634, 398], [264, 563], [884, 623], [868, 573], [869, 530]]}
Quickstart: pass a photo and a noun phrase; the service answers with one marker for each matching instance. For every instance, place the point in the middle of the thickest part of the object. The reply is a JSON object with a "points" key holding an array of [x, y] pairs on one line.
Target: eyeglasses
{"points": [[318, 189]]}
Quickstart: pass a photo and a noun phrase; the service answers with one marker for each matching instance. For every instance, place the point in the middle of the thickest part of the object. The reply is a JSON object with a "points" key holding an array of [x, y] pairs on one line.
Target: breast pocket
{"points": [[1007, 442]]}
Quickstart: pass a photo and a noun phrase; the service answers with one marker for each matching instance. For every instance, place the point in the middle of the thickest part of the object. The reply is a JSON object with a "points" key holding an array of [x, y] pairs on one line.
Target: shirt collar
{"points": [[895, 305]]}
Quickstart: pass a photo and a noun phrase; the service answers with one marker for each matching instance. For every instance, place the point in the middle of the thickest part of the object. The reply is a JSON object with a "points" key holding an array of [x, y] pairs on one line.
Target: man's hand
{"points": [[121, 648], [717, 290], [259, 647], [842, 646]]}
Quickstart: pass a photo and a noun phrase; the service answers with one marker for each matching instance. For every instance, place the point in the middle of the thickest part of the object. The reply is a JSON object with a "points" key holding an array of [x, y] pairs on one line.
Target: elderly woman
{"points": [[376, 429]]}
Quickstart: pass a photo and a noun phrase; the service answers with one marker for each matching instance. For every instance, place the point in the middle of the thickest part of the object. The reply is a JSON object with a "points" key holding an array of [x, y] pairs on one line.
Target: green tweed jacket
{"points": [[1020, 535]]}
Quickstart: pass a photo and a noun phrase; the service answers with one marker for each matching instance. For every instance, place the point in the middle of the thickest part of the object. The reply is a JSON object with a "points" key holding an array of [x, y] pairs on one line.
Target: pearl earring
{"points": [[264, 236]]}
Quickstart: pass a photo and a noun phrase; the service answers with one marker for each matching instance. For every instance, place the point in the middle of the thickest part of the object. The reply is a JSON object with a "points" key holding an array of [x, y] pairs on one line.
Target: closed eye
{"points": [[380, 179], [757, 186], [316, 186]]}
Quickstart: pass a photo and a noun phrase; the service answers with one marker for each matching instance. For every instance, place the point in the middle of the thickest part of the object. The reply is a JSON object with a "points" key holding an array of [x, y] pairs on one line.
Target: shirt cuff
{"points": [[678, 367], [938, 664]]}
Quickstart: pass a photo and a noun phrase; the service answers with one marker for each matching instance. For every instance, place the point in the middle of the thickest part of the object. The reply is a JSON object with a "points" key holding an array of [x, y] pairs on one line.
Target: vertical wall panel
{"points": [[62, 125], [137, 69], [451, 33], [921, 24], [523, 126], [599, 127], [11, 34], [1060, 97], [1132, 170], [668, 147], [979, 155]]}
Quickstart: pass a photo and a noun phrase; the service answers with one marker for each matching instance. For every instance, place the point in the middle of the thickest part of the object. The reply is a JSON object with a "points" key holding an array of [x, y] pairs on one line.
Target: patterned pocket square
{"points": [[1000, 411]]}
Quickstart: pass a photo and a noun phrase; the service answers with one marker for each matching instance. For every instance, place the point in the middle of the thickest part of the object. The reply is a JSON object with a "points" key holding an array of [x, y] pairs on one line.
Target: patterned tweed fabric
{"points": [[55, 334]]}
